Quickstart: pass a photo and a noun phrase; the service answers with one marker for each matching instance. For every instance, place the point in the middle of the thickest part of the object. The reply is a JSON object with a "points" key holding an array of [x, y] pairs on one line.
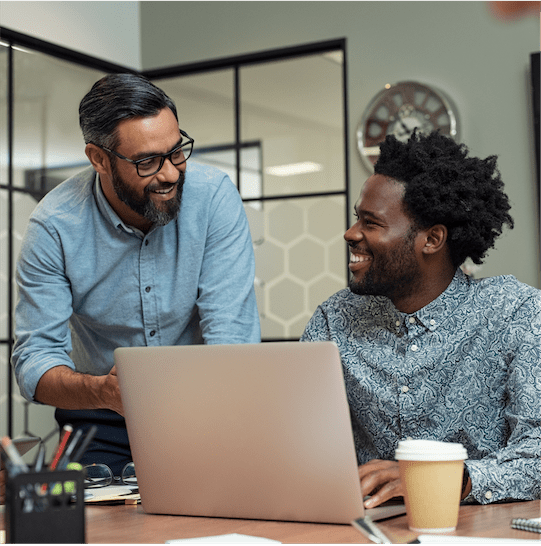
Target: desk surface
{"points": [[130, 524]]}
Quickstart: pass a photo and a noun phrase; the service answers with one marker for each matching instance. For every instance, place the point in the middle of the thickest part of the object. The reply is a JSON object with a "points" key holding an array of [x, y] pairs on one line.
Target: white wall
{"points": [[107, 30], [479, 60]]}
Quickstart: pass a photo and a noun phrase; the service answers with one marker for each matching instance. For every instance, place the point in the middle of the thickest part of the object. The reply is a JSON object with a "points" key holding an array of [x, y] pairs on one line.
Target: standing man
{"points": [[140, 249], [428, 352]]}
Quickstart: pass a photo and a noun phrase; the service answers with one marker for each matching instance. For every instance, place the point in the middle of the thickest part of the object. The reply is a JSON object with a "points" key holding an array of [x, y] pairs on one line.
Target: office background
{"points": [[479, 60]]}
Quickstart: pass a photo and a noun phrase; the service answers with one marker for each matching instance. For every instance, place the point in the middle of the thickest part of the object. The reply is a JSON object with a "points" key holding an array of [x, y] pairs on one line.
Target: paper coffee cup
{"points": [[431, 473]]}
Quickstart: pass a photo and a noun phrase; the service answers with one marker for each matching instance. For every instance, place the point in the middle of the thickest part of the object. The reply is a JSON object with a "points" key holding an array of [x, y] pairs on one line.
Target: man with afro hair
{"points": [[427, 351]]}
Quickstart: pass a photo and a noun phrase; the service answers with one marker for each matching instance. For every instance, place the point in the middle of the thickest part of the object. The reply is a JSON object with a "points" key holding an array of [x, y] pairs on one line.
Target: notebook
{"points": [[254, 431], [525, 524]]}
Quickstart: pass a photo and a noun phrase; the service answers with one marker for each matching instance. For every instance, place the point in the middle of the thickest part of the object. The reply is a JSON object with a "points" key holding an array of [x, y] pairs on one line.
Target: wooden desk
{"points": [[126, 524], [130, 524]]}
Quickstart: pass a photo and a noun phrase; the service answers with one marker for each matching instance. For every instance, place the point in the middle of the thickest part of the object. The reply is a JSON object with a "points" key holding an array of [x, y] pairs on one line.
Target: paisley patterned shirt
{"points": [[466, 368]]}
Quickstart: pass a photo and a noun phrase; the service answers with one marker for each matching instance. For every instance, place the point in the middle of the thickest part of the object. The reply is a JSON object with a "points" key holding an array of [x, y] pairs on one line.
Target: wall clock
{"points": [[400, 108]]}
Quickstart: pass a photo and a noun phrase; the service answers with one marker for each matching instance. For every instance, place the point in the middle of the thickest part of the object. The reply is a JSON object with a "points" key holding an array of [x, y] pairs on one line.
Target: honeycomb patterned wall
{"points": [[300, 258]]}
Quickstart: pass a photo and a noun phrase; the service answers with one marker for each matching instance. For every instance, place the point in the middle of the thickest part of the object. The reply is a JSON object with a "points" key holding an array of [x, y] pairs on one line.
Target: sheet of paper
{"points": [[232, 538], [447, 539], [111, 493]]}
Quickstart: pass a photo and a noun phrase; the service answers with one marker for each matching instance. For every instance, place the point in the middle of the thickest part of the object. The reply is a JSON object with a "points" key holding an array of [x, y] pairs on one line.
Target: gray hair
{"points": [[115, 98]]}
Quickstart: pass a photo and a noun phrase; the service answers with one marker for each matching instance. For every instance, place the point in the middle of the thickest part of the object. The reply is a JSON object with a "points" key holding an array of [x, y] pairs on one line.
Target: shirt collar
{"points": [[106, 209], [437, 311]]}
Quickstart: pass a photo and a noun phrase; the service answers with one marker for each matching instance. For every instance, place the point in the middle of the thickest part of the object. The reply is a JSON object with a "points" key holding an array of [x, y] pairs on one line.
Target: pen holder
{"points": [[45, 507]]}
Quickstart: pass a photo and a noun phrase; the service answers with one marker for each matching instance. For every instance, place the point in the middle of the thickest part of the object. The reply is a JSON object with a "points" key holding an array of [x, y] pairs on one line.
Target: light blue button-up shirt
{"points": [[88, 283], [466, 368]]}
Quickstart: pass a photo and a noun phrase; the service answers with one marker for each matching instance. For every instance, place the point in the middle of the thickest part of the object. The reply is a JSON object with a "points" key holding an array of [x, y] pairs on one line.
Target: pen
{"points": [[84, 444], [16, 463], [65, 459], [40, 458], [67, 430]]}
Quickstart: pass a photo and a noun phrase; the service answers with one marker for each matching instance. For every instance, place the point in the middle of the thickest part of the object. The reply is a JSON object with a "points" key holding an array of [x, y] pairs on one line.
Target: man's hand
{"points": [[381, 480], [111, 385]]}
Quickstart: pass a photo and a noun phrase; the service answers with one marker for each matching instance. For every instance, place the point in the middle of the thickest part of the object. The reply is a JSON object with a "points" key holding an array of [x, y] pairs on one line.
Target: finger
{"points": [[373, 466], [378, 477], [389, 491], [372, 483]]}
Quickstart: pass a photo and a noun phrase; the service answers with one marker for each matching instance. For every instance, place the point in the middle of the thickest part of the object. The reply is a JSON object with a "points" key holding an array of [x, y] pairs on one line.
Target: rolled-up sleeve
{"points": [[43, 310]]}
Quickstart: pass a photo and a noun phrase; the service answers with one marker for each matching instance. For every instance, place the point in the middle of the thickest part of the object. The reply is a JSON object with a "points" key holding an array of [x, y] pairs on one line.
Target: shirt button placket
{"points": [[149, 303]]}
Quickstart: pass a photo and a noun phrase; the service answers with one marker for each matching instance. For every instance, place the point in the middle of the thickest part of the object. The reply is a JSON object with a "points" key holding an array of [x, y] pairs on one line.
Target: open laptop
{"points": [[256, 431]]}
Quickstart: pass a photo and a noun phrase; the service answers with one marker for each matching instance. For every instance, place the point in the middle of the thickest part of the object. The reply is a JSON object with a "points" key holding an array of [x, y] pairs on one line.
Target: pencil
{"points": [[67, 430], [40, 458], [65, 459]]}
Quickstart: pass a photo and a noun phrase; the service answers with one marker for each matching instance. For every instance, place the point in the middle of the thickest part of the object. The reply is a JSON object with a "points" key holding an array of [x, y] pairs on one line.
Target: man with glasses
{"points": [[140, 249]]}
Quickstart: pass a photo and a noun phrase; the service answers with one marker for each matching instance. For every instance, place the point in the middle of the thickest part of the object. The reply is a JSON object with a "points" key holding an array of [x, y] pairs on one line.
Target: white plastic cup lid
{"points": [[429, 450]]}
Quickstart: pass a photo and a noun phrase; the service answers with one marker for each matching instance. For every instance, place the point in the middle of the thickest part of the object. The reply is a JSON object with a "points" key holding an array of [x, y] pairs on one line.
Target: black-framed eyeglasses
{"points": [[100, 475], [151, 165]]}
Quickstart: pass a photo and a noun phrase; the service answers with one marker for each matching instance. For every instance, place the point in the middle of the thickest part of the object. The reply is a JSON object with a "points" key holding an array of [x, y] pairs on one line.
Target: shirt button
{"points": [[148, 289], [488, 495], [405, 388], [414, 348], [152, 333], [397, 323], [432, 322], [411, 320]]}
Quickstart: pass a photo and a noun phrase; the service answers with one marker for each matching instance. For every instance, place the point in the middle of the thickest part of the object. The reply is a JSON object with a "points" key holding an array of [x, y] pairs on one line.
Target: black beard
{"points": [[393, 278], [144, 206]]}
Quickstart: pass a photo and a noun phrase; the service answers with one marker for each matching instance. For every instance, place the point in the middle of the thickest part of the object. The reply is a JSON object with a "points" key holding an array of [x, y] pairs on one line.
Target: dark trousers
{"points": [[110, 445]]}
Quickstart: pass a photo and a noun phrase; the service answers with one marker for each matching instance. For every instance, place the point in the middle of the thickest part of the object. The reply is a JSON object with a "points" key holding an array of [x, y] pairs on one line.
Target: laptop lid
{"points": [[257, 431]]}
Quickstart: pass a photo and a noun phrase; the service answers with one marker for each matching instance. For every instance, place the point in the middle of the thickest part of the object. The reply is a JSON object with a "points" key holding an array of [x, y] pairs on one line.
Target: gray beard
{"points": [[144, 206]]}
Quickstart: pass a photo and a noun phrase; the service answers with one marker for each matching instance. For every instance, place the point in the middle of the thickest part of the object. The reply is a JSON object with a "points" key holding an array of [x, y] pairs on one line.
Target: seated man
{"points": [[427, 351], [141, 249]]}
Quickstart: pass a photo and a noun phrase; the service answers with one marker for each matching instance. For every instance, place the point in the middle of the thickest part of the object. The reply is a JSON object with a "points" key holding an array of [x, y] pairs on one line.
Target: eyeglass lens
{"points": [[152, 165], [128, 475], [100, 475]]}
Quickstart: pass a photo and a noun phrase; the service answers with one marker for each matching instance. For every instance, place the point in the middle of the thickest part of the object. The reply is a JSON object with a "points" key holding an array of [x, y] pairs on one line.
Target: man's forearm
{"points": [[65, 388]]}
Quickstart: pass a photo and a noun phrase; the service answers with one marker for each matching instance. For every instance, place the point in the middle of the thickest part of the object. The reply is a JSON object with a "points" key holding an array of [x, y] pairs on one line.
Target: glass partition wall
{"points": [[274, 121], [277, 127], [40, 145]]}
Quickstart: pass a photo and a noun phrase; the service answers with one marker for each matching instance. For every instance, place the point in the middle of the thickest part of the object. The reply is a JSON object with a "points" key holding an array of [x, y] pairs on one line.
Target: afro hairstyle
{"points": [[445, 186]]}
